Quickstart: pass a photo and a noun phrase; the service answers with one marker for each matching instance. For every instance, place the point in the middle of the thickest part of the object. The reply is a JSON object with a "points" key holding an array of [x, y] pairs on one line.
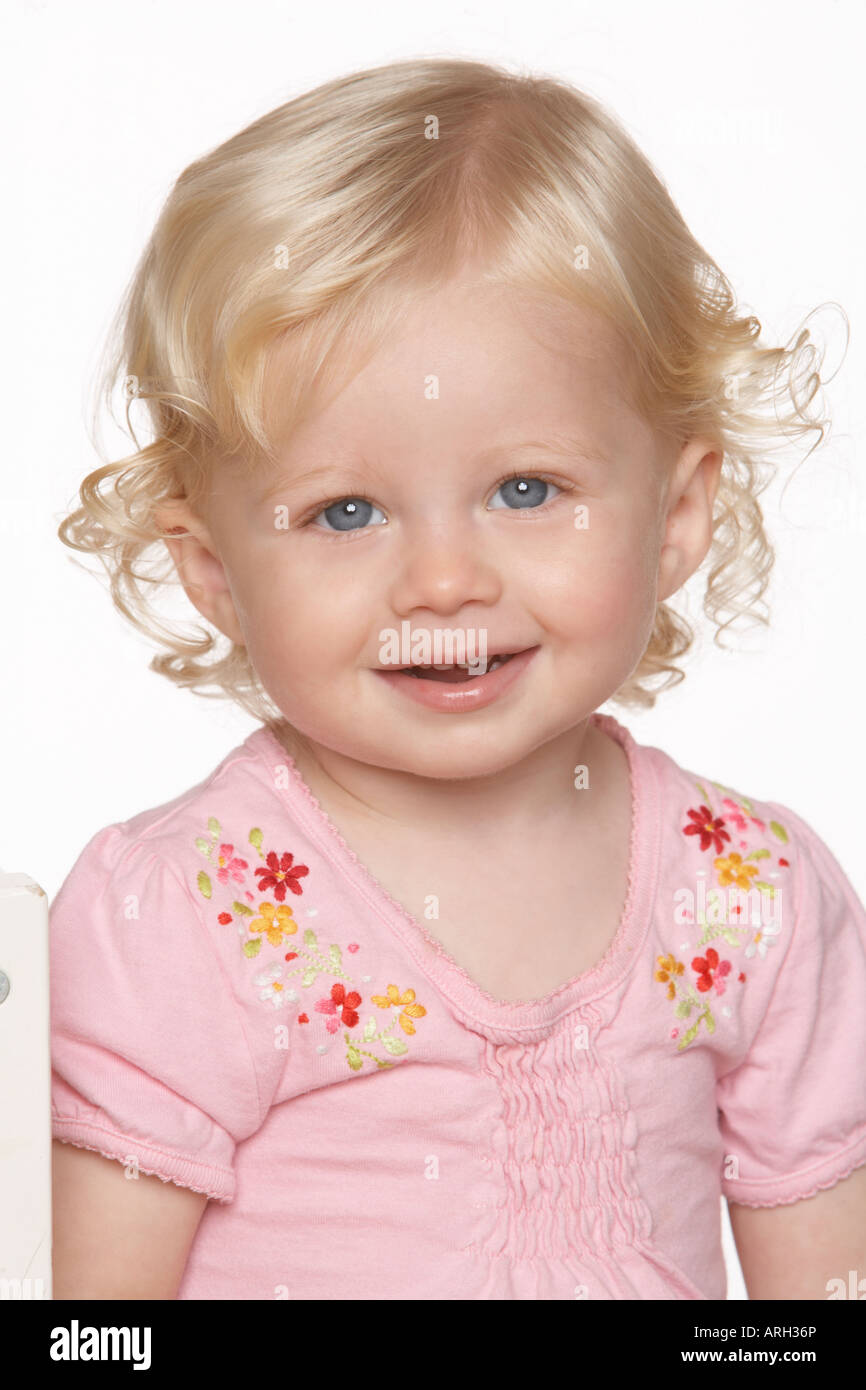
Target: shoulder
{"points": [[744, 857], [734, 837], [198, 837]]}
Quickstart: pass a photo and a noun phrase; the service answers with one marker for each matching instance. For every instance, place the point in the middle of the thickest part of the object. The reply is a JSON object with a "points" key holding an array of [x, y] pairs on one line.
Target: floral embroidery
{"points": [[229, 865], [710, 830], [740, 849], [280, 875], [733, 870], [273, 922], [686, 995], [405, 1002], [711, 971], [764, 938]]}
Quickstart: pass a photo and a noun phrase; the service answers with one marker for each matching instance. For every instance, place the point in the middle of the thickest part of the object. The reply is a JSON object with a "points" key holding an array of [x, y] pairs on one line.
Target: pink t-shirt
{"points": [[240, 1008]]}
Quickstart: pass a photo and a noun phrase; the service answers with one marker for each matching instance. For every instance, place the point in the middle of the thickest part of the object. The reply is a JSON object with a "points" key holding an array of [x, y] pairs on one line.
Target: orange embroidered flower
{"points": [[668, 969], [733, 870], [275, 922], [405, 1002]]}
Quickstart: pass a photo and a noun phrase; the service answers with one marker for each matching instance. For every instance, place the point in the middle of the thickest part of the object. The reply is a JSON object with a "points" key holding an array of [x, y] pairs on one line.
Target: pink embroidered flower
{"points": [[719, 981], [711, 829], [229, 865], [352, 946], [341, 1007], [735, 814], [281, 873]]}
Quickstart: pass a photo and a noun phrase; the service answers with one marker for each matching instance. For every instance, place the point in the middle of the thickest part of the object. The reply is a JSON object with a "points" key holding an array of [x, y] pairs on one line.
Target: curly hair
{"points": [[307, 226]]}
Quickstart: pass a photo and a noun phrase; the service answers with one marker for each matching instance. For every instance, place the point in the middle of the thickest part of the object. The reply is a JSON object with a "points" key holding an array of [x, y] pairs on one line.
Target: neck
{"points": [[536, 791]]}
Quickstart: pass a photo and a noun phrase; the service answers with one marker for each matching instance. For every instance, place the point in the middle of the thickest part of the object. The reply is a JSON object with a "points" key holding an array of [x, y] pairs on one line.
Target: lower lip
{"points": [[468, 695]]}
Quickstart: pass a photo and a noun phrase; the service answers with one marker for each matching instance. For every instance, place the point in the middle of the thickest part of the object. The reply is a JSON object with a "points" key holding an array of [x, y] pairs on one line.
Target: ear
{"points": [[198, 566], [689, 521]]}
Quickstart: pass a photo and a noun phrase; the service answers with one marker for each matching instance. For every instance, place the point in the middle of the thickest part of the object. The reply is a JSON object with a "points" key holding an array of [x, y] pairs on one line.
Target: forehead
{"points": [[478, 350]]}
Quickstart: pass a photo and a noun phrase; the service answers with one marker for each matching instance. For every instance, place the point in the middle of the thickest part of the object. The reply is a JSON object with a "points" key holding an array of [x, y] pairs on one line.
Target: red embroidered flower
{"points": [[281, 873], [291, 955], [711, 830], [708, 967], [224, 918], [303, 1018], [341, 1006]]}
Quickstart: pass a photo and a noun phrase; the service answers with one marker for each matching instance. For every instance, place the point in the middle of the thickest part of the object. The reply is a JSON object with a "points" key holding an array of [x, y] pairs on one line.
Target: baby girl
{"points": [[440, 985]]}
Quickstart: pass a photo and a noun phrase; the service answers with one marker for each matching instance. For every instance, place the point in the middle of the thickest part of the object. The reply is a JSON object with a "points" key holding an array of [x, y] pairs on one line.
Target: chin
{"points": [[474, 755]]}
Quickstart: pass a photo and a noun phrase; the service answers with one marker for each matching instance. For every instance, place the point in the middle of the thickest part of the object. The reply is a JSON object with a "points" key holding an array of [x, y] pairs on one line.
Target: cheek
{"points": [[602, 581], [299, 622]]}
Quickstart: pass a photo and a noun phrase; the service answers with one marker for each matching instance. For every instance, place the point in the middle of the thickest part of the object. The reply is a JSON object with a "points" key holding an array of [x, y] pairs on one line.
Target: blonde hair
{"points": [[307, 226]]}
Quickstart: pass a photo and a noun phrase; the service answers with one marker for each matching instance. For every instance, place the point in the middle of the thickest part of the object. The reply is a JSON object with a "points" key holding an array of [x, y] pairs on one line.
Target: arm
{"points": [[791, 1251], [116, 1237]]}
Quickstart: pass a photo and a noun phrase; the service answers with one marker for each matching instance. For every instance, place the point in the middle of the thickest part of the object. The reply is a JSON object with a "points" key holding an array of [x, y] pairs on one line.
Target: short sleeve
{"points": [[150, 1061], [792, 1114]]}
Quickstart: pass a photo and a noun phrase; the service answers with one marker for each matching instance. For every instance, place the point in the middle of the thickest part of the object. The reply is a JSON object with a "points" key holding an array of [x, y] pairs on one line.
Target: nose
{"points": [[443, 568]]}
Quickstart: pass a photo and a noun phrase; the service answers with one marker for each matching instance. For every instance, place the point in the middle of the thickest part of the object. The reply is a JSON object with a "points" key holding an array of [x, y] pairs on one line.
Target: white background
{"points": [[754, 116]]}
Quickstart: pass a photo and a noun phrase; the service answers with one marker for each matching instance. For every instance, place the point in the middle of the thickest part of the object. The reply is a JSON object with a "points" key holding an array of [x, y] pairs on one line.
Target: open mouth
{"points": [[456, 672]]}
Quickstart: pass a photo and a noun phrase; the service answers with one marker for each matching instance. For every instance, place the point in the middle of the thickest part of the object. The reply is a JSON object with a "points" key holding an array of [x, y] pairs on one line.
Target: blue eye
{"points": [[348, 514], [522, 492]]}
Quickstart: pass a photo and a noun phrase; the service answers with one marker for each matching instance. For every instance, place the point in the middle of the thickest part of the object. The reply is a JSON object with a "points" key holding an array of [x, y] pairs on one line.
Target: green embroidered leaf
{"points": [[309, 937], [204, 884], [309, 976], [253, 946], [353, 1057], [213, 825], [731, 935], [335, 957], [382, 1064], [683, 1009], [703, 793], [759, 854], [711, 1022], [256, 839], [243, 908], [369, 1029], [689, 1036], [721, 786], [764, 887], [204, 845], [779, 831], [395, 1046]]}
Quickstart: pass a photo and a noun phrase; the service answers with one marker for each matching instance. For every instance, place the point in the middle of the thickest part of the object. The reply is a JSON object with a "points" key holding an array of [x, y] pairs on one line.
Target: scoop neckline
{"points": [[469, 997]]}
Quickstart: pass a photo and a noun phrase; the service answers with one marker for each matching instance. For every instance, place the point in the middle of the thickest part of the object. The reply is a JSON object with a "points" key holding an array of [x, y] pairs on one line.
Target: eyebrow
{"points": [[563, 444]]}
